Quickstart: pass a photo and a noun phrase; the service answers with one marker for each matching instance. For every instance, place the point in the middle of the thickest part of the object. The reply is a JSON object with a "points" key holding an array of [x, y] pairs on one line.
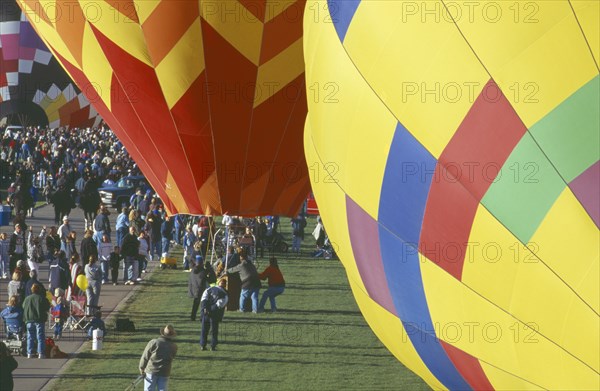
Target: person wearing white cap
{"points": [[63, 231], [156, 361]]}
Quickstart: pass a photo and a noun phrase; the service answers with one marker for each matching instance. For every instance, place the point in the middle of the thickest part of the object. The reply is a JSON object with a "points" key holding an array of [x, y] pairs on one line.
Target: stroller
{"points": [[276, 243]]}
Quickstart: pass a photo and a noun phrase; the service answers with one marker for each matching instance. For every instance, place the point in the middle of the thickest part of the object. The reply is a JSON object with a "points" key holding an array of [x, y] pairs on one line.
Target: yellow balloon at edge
{"points": [[82, 282], [49, 296]]}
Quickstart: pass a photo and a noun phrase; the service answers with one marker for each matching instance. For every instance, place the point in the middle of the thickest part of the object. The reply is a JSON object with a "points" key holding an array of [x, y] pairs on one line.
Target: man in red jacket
{"points": [[276, 285]]}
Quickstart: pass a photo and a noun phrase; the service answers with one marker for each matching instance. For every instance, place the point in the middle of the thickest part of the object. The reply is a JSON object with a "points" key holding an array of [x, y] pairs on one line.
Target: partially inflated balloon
{"points": [[463, 151], [81, 282], [207, 96], [34, 89]]}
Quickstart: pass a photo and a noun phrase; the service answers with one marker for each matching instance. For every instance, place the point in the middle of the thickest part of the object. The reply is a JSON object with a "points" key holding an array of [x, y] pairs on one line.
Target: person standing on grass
{"points": [[276, 285], [35, 315], [250, 282], [157, 359], [298, 225], [212, 306], [200, 279]]}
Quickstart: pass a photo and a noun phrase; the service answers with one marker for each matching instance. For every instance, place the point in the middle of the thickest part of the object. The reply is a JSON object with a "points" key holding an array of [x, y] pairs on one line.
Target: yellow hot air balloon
{"points": [[464, 147]]}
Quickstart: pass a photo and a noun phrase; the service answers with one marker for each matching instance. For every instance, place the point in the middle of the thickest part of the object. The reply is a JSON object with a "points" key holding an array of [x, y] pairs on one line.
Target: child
{"points": [[4, 258], [115, 260], [60, 313], [96, 323]]}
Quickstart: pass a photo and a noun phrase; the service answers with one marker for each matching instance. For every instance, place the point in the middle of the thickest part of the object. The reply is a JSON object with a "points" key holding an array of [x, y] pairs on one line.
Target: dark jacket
{"points": [[35, 309], [248, 274], [130, 246], [52, 244], [200, 280], [88, 247]]}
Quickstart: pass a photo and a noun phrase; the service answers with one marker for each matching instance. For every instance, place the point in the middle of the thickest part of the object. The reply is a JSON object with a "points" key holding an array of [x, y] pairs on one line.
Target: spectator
{"points": [[94, 279], [75, 270], [4, 257], [122, 226], [12, 315], [17, 249], [129, 250], [213, 303], [104, 251], [166, 233], [16, 287], [298, 225], [276, 285], [250, 283], [88, 247], [200, 279], [35, 315], [188, 248], [33, 279], [157, 359], [115, 260]]}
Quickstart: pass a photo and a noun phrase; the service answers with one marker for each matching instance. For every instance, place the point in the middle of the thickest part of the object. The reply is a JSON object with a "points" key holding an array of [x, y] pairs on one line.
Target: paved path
{"points": [[34, 374]]}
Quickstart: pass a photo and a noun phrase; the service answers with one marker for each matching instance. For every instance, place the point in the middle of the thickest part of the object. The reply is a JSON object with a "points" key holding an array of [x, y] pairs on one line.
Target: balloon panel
{"points": [[208, 97], [476, 226], [33, 86]]}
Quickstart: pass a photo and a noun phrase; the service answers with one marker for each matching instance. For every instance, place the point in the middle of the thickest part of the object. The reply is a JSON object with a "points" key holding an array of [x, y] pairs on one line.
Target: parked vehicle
{"points": [[118, 196]]}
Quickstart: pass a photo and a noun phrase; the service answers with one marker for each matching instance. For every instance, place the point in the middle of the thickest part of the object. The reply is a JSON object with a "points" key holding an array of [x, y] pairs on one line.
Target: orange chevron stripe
{"points": [[257, 8], [293, 9], [238, 27], [276, 74], [125, 8], [37, 8], [71, 29], [159, 30], [281, 32]]}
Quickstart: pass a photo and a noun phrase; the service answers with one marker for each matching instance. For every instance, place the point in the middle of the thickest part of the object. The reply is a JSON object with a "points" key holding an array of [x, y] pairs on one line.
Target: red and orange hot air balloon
{"points": [[208, 97]]}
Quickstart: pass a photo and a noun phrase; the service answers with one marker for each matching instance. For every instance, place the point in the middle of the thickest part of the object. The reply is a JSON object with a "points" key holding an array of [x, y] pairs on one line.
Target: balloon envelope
{"points": [[465, 201], [208, 97], [34, 89], [81, 282]]}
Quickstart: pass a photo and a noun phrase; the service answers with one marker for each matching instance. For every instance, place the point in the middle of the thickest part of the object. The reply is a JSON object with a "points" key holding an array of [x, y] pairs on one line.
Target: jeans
{"points": [[128, 272], [104, 268], [93, 295], [155, 248], [4, 266], [98, 237], [153, 382], [270, 293], [209, 324], [296, 242], [253, 294], [36, 330], [165, 245], [121, 232]]}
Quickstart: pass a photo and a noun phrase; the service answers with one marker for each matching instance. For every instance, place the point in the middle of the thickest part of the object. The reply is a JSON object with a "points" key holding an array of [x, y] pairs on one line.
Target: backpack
{"points": [[124, 324]]}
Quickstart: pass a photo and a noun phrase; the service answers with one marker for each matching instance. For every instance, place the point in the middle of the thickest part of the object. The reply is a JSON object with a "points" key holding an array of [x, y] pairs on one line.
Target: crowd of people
{"points": [[67, 168]]}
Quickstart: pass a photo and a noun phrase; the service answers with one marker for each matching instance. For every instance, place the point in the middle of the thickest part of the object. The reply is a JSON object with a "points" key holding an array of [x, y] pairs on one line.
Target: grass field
{"points": [[317, 341]]}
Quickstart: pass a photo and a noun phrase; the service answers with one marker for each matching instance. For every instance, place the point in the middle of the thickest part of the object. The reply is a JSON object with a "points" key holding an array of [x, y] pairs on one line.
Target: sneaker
{"points": [[139, 279], [115, 283], [30, 356], [143, 271], [202, 347], [41, 356], [103, 282], [213, 348]]}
